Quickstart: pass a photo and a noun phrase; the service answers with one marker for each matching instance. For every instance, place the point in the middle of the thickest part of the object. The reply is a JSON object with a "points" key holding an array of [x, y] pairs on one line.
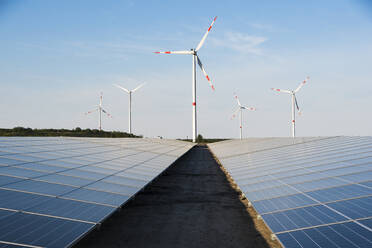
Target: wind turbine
{"points": [[294, 102], [100, 110], [130, 101], [195, 59], [240, 110]]}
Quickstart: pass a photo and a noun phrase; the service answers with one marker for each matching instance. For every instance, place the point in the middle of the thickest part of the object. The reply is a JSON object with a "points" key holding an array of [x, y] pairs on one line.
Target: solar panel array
{"points": [[312, 192], [55, 190]]}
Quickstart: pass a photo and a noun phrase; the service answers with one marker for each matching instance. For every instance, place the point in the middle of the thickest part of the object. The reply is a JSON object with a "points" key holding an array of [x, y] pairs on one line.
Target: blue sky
{"points": [[57, 56]]}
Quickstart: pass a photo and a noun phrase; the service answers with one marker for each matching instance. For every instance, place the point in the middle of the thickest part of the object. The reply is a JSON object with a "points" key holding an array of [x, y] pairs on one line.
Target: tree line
{"points": [[77, 132]]}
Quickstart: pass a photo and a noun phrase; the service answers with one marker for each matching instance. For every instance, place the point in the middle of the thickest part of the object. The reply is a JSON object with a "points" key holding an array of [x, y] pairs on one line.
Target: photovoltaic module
{"points": [[311, 192], [55, 190]]}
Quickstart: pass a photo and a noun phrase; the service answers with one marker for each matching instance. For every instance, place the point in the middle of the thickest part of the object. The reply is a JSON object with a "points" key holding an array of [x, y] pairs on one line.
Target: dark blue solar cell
{"points": [[5, 213], [319, 184], [113, 188], [5, 245], [84, 174], [321, 213], [337, 238], [274, 224], [303, 239], [358, 177], [368, 184], [355, 208], [98, 169], [4, 180], [355, 233], [286, 222], [319, 238], [67, 180], [134, 175], [72, 209], [97, 196], [9, 161], [41, 167], [282, 203], [366, 222], [41, 230], [126, 181], [40, 187], [19, 200], [288, 240], [61, 163], [24, 157], [304, 217], [19, 172], [339, 193]]}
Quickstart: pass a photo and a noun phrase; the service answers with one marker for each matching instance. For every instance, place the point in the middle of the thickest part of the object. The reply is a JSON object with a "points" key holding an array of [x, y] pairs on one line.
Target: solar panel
{"points": [[55, 190], [311, 192]]}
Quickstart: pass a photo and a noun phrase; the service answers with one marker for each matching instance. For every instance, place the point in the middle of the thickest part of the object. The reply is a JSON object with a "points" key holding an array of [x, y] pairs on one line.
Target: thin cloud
{"points": [[241, 42]]}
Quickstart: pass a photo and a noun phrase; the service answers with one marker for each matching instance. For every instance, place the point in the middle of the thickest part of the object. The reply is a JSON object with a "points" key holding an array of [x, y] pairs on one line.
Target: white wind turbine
{"points": [[240, 110], [130, 101], [100, 110], [195, 59], [294, 102]]}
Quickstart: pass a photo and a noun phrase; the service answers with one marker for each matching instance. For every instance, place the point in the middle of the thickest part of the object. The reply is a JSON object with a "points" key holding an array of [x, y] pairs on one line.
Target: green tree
{"points": [[199, 139]]}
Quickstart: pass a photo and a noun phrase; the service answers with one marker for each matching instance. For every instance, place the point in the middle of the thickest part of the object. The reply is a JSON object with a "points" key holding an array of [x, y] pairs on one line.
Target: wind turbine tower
{"points": [[195, 59], [240, 111], [100, 111], [130, 102], [294, 103]]}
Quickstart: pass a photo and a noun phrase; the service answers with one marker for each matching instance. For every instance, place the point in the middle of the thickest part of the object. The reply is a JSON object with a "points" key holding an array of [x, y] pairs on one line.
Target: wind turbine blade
{"points": [[104, 111], [237, 99], [176, 52], [120, 87], [298, 109], [249, 108], [138, 87], [235, 113], [302, 84], [205, 73], [205, 35], [280, 90], [89, 112]]}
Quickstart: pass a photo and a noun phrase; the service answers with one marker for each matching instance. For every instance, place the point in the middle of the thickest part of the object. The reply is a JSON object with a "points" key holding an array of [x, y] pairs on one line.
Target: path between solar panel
{"points": [[191, 205]]}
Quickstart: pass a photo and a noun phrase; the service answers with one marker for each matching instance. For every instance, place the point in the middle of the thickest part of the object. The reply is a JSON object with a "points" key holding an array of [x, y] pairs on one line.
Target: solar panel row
{"points": [[312, 192], [55, 190]]}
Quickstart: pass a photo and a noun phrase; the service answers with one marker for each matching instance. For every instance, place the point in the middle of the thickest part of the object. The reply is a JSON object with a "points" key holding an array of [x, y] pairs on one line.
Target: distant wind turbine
{"points": [[294, 102], [240, 111], [130, 101], [100, 110], [195, 59]]}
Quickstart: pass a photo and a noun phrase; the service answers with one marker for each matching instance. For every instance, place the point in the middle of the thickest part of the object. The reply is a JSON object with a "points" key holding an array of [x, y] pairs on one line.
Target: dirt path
{"points": [[191, 205]]}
